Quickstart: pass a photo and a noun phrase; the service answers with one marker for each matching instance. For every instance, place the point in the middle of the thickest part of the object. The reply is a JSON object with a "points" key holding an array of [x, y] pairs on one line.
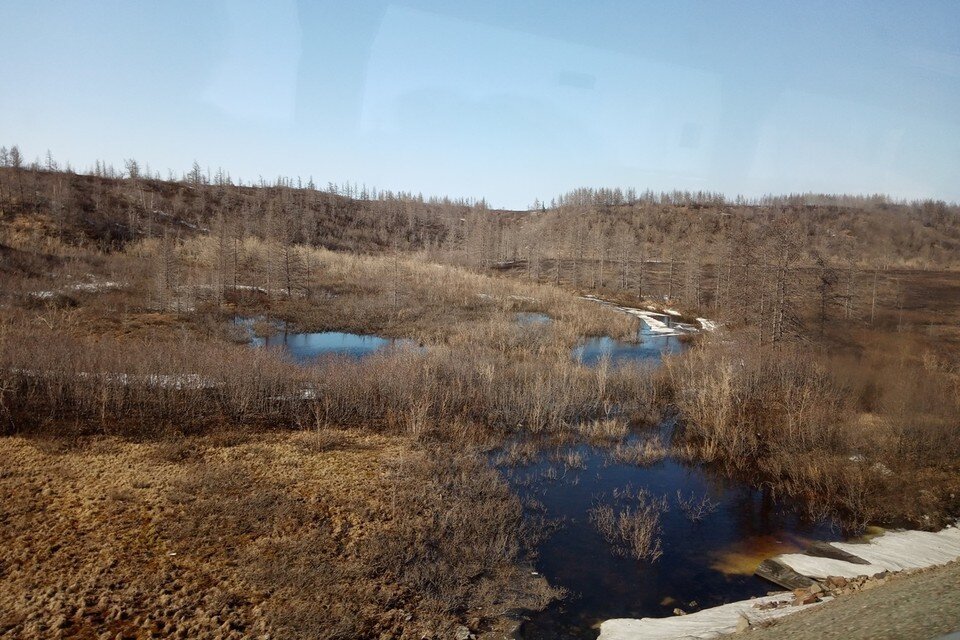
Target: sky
{"points": [[507, 100]]}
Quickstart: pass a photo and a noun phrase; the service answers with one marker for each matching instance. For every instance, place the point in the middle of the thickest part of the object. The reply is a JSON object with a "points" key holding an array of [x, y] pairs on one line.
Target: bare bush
{"points": [[459, 533], [695, 509], [634, 530]]}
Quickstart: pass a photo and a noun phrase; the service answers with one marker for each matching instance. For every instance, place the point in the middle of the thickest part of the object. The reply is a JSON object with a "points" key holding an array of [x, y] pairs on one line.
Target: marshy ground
{"points": [[161, 476]]}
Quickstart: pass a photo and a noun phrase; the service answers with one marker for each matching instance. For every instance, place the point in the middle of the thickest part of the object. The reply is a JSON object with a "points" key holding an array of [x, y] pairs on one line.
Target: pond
{"points": [[703, 563], [306, 347], [650, 346]]}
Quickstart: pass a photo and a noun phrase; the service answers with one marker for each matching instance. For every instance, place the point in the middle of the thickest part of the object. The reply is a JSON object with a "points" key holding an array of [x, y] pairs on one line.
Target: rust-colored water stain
{"points": [[743, 558]]}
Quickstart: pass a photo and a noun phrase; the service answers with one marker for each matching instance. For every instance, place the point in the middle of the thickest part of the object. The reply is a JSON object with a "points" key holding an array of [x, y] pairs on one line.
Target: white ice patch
{"points": [[82, 287], [820, 568], [893, 551], [95, 287], [179, 381], [658, 321], [708, 623], [899, 550], [654, 324], [707, 325]]}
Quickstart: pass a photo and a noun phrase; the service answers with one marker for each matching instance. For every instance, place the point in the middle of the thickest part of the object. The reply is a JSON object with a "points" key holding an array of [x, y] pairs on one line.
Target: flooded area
{"points": [[707, 556], [649, 347], [703, 563], [306, 347]]}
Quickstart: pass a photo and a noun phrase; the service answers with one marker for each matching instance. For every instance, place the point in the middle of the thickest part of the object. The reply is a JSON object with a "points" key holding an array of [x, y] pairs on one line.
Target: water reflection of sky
{"points": [[304, 347], [309, 346], [650, 348]]}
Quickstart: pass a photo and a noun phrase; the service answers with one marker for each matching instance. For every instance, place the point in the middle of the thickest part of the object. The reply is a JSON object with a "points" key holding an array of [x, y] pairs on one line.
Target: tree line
{"points": [[785, 262]]}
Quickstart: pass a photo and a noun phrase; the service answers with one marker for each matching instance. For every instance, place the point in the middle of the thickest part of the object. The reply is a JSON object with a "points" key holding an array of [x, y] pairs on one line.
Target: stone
{"points": [[836, 582], [679, 612], [462, 633]]}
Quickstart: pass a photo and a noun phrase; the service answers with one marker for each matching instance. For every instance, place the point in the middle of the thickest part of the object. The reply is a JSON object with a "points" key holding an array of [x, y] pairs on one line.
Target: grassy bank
{"points": [[865, 438]]}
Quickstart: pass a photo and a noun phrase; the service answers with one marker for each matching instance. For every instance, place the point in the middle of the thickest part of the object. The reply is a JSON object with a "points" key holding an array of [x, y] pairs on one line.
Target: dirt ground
{"points": [[922, 605], [266, 536]]}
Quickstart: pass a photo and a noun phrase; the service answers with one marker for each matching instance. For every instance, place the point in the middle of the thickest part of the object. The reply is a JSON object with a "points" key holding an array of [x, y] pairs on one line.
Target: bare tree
{"points": [[16, 161], [4, 163], [826, 283], [601, 250]]}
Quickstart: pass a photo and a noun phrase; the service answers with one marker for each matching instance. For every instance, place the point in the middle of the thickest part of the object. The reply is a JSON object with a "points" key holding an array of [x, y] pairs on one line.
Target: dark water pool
{"points": [[703, 563]]}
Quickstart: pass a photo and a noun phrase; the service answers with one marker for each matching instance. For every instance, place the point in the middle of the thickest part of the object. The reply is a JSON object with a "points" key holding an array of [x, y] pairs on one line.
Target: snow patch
{"points": [[659, 322], [893, 551], [654, 324], [899, 550], [708, 623], [80, 287], [707, 325], [820, 568]]}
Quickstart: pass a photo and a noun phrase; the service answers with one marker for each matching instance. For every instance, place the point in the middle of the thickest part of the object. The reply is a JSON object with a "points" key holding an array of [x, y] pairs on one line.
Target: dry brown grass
{"points": [[267, 536], [634, 530], [863, 438], [89, 368], [694, 508], [643, 452]]}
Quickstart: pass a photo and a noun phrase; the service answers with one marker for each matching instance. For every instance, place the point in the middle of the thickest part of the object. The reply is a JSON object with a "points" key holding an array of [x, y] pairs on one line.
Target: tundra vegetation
{"points": [[235, 480]]}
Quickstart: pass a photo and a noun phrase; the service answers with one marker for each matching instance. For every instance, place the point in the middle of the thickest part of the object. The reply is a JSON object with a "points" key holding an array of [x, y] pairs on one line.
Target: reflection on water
{"points": [[650, 346], [705, 563], [304, 347], [743, 557], [309, 346], [709, 562]]}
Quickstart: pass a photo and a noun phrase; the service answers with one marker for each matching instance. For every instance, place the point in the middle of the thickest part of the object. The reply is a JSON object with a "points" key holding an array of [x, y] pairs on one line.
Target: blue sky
{"points": [[507, 100]]}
